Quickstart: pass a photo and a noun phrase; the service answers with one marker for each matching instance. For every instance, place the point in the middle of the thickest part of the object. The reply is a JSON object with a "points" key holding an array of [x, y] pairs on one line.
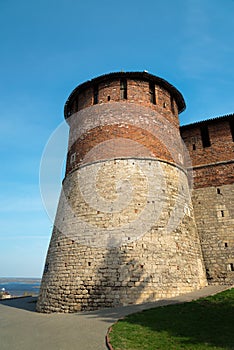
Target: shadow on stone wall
{"points": [[119, 280]]}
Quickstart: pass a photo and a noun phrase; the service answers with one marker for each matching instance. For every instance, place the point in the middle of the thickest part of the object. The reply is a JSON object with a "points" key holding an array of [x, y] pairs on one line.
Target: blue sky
{"points": [[48, 47]]}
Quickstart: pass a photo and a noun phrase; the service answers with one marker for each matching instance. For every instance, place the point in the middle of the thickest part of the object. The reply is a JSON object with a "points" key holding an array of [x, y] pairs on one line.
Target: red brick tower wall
{"points": [[143, 90]]}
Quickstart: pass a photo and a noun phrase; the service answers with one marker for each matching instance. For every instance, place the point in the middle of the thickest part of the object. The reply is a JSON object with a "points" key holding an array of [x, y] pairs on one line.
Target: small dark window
{"points": [[222, 213], [205, 136], [123, 89], [95, 95], [231, 267], [46, 268], [73, 158], [194, 147], [89, 263], [218, 191], [225, 245], [231, 123], [108, 98], [152, 93]]}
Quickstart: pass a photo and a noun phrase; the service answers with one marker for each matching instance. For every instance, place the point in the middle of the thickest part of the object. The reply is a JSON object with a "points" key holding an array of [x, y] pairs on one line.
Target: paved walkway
{"points": [[21, 328]]}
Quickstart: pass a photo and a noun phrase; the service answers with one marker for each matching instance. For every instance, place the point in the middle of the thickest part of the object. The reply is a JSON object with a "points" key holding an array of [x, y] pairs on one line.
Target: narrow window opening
{"points": [[231, 267], [108, 98], [225, 245], [46, 268], [194, 147], [205, 136], [218, 191], [222, 213], [89, 263], [95, 95], [123, 89], [152, 93], [73, 158], [231, 123]]}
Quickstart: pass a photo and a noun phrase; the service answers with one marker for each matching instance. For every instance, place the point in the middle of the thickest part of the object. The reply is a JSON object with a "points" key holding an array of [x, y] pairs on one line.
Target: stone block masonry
{"points": [[148, 260], [214, 213]]}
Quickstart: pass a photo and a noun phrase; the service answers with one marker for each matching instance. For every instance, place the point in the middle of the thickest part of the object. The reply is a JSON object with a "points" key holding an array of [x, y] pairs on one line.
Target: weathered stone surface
{"points": [[151, 260]]}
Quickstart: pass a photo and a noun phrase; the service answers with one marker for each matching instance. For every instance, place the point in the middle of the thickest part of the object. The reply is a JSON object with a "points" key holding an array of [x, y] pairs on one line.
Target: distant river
{"points": [[19, 286]]}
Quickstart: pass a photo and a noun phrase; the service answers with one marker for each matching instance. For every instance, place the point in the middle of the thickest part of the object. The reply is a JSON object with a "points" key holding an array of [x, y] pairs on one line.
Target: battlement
{"points": [[134, 87]]}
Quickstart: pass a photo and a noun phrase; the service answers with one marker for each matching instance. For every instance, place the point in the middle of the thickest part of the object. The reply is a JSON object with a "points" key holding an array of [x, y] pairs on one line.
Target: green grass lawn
{"points": [[207, 323]]}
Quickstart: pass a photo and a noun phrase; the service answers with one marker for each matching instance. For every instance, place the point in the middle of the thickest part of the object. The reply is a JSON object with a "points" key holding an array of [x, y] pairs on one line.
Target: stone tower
{"points": [[124, 231]]}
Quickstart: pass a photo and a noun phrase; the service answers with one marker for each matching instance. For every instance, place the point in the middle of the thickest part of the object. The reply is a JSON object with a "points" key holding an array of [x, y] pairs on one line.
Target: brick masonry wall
{"points": [[137, 94], [211, 165], [222, 145], [213, 175], [122, 130], [153, 254]]}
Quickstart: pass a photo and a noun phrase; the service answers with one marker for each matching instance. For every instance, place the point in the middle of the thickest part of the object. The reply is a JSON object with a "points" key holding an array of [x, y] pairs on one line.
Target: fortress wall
{"points": [[221, 147], [213, 174]]}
